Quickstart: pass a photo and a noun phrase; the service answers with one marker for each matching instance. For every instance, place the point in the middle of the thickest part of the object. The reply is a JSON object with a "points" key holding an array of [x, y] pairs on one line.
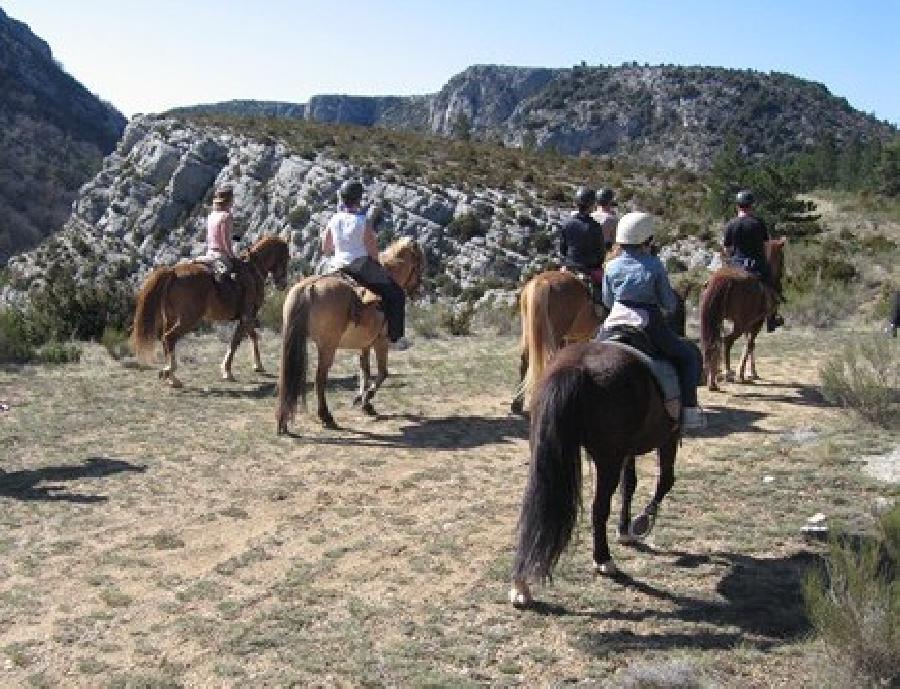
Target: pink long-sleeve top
{"points": [[219, 227]]}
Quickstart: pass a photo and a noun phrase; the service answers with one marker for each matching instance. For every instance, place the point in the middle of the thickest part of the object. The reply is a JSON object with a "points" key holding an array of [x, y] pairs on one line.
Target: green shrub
{"points": [[465, 227], [855, 604], [426, 320], [865, 377], [458, 321], [299, 215], [16, 342], [822, 307], [270, 313], [116, 342], [58, 353]]}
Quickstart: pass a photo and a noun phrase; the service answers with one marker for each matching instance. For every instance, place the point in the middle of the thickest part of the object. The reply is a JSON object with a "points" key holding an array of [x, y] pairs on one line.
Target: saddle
{"points": [[635, 340], [217, 267], [366, 296]]}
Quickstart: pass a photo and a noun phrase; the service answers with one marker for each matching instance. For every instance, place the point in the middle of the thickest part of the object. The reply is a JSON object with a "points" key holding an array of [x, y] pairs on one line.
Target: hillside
{"points": [[53, 137], [660, 115]]}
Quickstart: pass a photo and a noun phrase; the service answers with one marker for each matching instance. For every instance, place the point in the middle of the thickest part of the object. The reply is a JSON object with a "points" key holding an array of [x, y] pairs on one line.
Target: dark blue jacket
{"points": [[581, 244]]}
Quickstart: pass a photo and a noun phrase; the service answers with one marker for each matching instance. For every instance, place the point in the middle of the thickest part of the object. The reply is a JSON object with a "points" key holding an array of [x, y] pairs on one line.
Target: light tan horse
{"points": [[174, 299], [328, 310], [740, 297], [556, 309]]}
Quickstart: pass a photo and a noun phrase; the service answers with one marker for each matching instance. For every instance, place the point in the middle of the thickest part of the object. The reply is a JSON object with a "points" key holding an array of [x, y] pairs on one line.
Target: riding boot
{"points": [[774, 321]]}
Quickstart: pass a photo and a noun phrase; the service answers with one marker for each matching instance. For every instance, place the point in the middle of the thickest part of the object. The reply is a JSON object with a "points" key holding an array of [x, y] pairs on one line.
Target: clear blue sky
{"points": [[151, 55]]}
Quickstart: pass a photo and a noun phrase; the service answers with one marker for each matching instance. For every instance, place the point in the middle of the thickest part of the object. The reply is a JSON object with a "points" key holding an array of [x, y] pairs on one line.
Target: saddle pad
{"points": [[663, 371], [366, 296]]}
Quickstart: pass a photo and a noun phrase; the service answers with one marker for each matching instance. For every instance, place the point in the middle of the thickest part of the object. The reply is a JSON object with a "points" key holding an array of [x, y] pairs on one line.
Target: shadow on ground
{"points": [[762, 605], [24, 484], [723, 421], [446, 433], [804, 395]]}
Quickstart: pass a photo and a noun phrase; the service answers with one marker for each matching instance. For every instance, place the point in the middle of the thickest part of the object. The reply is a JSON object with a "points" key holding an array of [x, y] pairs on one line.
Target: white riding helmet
{"points": [[634, 228]]}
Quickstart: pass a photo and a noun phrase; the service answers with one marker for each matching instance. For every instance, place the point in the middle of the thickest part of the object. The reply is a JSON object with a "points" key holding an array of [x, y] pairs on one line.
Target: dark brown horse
{"points": [[556, 309], [328, 310], [604, 399], [740, 297], [174, 299]]}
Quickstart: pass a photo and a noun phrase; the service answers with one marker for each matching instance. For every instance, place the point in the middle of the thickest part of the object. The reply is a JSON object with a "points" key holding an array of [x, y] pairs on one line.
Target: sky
{"points": [[151, 56]]}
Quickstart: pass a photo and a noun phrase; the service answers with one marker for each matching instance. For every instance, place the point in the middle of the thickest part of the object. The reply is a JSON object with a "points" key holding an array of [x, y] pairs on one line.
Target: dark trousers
{"points": [[676, 349], [372, 274], [895, 310]]}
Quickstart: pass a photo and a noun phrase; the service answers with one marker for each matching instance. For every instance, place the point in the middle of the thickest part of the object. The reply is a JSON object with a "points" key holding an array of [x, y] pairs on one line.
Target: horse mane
{"points": [[264, 241], [394, 253]]}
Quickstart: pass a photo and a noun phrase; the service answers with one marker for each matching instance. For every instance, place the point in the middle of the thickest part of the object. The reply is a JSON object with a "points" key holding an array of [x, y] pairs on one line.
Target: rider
{"points": [[350, 240], [220, 250], [744, 242], [606, 215], [636, 288], [581, 246]]}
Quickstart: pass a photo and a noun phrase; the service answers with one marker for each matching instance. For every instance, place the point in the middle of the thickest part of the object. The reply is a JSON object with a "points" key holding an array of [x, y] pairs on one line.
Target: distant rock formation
{"points": [[53, 136]]}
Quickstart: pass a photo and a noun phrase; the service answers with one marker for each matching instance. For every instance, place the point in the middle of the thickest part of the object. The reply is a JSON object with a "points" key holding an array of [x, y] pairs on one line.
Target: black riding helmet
{"points": [[605, 197], [351, 192], [584, 197], [744, 198]]}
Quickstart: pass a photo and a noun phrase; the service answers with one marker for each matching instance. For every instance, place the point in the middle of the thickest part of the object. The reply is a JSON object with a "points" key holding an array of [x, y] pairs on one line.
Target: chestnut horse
{"points": [[739, 296], [174, 299], [603, 398], [556, 308], [328, 310]]}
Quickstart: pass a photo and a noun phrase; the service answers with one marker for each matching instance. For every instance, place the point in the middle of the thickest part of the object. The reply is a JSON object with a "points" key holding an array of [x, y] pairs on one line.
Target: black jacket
{"points": [[581, 243]]}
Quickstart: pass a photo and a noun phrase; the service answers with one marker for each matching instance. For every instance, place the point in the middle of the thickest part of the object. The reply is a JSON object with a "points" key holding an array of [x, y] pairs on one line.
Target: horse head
{"points": [[271, 256], [405, 261]]}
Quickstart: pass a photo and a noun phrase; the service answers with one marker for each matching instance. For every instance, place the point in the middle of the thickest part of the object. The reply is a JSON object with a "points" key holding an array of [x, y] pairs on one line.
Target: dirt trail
{"points": [[162, 538]]}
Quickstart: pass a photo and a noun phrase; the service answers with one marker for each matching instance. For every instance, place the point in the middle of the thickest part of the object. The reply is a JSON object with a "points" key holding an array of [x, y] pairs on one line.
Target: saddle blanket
{"points": [[662, 370]]}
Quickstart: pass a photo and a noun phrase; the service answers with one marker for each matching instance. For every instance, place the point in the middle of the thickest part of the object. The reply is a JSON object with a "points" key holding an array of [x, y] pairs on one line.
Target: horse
{"points": [[555, 309], [174, 299], [328, 310], [739, 296], [603, 398]]}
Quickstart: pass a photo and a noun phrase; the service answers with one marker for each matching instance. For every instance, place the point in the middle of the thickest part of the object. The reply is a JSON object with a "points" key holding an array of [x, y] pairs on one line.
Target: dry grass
{"points": [[153, 537]]}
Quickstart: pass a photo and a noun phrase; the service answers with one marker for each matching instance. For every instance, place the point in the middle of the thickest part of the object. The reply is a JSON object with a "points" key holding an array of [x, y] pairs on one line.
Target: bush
{"points": [[855, 604], [465, 227], [270, 313], [458, 321], [822, 307], [16, 342], [58, 353], [865, 377], [116, 342]]}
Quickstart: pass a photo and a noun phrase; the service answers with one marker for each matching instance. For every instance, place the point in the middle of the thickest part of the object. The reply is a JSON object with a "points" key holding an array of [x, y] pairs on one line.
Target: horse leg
{"points": [[751, 344], [730, 339], [518, 402], [365, 375], [744, 357], [628, 483], [257, 362], [381, 355], [643, 523], [608, 473], [326, 359], [236, 338], [169, 338]]}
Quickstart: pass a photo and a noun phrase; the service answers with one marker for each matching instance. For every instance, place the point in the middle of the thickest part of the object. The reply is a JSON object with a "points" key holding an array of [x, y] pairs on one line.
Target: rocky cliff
{"points": [[53, 137], [652, 114]]}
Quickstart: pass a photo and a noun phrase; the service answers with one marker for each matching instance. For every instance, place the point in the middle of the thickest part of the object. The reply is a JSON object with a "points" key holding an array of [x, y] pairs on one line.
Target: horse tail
{"points": [[295, 331], [148, 313], [713, 301], [536, 333], [552, 497]]}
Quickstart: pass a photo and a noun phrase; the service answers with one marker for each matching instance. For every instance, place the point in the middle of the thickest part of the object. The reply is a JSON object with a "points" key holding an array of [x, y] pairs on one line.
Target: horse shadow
{"points": [[445, 433], [761, 604], [722, 421], [24, 483], [804, 395], [241, 391]]}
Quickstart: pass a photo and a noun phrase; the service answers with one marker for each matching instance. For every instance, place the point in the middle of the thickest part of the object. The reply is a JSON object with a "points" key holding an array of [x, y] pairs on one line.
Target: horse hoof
{"points": [[356, 401], [729, 377], [517, 407], [642, 526], [175, 383], [329, 423], [162, 375], [259, 369], [369, 410], [228, 377], [607, 569], [520, 595]]}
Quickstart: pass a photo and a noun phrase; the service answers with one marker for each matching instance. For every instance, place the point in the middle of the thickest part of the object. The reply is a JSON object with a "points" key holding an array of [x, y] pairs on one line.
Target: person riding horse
{"points": [[581, 245], [606, 216], [636, 289], [220, 252], [350, 241], [744, 243]]}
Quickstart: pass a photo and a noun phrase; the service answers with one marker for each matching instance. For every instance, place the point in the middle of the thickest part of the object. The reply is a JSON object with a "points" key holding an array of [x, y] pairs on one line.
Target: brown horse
{"points": [[734, 294], [557, 309], [600, 397], [328, 310], [174, 299]]}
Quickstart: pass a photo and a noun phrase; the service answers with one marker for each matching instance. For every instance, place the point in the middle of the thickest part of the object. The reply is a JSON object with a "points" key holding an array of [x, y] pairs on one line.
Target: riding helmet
{"points": [[351, 192], [585, 196], [744, 198], [606, 197], [634, 228]]}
